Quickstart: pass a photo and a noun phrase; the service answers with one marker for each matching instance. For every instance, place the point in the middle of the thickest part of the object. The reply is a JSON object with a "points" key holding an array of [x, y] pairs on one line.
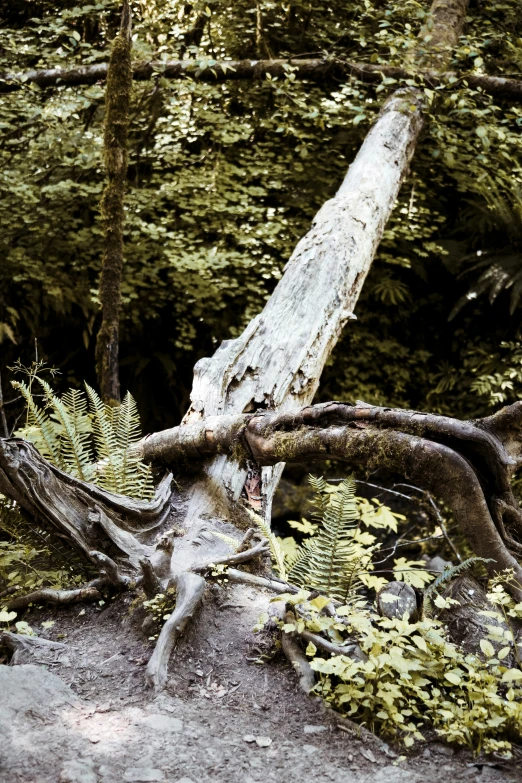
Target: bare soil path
{"points": [[82, 713]]}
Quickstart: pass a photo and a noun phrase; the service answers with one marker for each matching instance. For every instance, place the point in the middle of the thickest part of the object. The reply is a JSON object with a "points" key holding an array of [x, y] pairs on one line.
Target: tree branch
{"points": [[48, 596], [314, 70]]}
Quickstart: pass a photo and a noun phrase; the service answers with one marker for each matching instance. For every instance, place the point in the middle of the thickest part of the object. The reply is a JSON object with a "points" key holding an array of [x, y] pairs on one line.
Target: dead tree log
{"points": [[276, 364], [315, 70]]}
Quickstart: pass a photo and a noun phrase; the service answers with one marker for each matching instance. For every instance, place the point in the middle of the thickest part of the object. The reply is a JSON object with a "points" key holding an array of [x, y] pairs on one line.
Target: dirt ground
{"points": [[83, 714]]}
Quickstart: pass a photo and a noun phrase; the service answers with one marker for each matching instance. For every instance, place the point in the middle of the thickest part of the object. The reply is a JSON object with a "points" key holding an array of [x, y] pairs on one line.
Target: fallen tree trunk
{"points": [[313, 70]]}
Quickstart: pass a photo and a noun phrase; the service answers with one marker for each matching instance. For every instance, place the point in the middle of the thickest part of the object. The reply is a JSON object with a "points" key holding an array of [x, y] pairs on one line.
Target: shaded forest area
{"points": [[224, 179], [192, 146]]}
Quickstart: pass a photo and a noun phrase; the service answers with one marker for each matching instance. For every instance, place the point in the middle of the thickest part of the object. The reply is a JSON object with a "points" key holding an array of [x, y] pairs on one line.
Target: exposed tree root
{"points": [[18, 644], [467, 465], [48, 596], [150, 581], [297, 658], [190, 588], [109, 569]]}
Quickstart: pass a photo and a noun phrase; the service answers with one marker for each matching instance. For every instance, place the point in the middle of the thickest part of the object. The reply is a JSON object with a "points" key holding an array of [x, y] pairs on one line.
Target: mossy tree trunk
{"points": [[118, 93]]}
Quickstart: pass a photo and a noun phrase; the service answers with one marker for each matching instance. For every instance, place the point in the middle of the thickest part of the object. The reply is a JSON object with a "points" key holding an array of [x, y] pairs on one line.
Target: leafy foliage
{"points": [[224, 179], [275, 548], [30, 558], [410, 677]]}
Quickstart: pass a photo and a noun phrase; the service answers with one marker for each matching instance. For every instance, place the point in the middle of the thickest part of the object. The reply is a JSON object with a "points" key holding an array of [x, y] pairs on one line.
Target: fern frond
{"points": [[232, 542], [451, 573], [105, 441], [40, 430], [331, 562], [74, 447], [275, 548], [299, 569]]}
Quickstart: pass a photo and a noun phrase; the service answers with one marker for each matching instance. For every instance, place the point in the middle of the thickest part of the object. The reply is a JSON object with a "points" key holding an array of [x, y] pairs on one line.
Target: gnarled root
{"points": [[48, 596], [297, 658], [190, 588], [19, 644]]}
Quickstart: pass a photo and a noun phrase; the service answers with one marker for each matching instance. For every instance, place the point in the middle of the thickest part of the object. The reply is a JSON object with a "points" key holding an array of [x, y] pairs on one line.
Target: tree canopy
{"points": [[224, 178]]}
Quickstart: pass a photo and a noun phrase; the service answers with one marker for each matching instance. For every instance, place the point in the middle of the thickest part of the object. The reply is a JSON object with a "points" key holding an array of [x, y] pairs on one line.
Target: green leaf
{"points": [[512, 675], [487, 648]]}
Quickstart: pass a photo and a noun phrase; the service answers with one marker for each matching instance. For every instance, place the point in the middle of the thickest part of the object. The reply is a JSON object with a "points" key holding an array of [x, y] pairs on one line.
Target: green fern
{"points": [[275, 548], [74, 440], [39, 428], [451, 573], [232, 542], [88, 439], [331, 562]]}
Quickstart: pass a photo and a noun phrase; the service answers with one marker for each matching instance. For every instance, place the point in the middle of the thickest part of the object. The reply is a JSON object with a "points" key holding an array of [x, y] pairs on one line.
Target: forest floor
{"points": [[83, 713]]}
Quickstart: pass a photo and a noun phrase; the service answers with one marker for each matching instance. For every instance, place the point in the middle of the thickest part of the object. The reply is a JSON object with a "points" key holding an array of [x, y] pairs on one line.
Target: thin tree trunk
{"points": [[119, 86], [278, 360]]}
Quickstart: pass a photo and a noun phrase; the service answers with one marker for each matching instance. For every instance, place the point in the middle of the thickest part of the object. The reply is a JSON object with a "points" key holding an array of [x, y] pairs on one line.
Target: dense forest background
{"points": [[223, 181]]}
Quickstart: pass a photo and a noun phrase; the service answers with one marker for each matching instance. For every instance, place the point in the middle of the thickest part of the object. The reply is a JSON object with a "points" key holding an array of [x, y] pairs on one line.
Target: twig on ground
{"points": [[261, 548], [242, 577], [352, 649]]}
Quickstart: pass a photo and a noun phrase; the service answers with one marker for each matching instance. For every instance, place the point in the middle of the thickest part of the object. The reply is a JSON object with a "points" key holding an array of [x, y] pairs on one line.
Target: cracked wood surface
{"points": [[278, 360]]}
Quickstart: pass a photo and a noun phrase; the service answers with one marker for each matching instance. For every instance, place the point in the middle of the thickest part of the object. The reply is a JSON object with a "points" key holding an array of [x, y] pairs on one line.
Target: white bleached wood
{"points": [[277, 362]]}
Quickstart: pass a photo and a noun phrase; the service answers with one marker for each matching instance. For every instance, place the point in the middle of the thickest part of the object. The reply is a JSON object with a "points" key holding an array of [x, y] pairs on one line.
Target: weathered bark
{"points": [[189, 592], [277, 362], [119, 86], [313, 70], [465, 464]]}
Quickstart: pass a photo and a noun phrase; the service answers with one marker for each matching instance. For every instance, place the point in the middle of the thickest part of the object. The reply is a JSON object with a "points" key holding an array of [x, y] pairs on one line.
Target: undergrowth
{"points": [[409, 676], [31, 558], [85, 438]]}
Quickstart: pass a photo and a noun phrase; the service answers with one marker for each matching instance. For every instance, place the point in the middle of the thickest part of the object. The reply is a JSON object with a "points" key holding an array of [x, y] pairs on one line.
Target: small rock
{"points": [[263, 742], [397, 599], [444, 750], [249, 738], [144, 775], [366, 752], [160, 722], [184, 780], [77, 772], [314, 729]]}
